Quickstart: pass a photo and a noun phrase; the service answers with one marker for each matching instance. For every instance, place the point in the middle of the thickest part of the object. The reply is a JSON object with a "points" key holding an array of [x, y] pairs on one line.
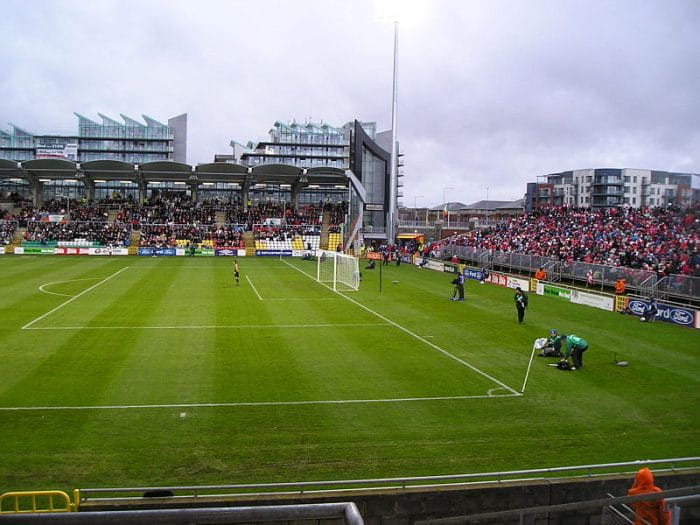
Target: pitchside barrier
{"points": [[667, 312], [580, 490], [598, 276]]}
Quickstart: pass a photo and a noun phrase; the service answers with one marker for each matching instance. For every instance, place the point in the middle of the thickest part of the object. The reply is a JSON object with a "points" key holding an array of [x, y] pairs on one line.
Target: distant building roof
{"points": [[495, 205], [449, 206]]}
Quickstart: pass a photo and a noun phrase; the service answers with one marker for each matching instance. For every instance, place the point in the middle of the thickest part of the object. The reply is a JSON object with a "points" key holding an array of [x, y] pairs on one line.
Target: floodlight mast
{"points": [[393, 176]]}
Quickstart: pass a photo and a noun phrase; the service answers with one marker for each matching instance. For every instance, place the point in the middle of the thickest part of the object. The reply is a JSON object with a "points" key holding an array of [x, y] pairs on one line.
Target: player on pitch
{"points": [[236, 274]]}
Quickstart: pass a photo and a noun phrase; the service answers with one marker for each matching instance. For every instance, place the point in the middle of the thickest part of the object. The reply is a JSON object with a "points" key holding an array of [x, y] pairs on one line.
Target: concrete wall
{"points": [[406, 506]]}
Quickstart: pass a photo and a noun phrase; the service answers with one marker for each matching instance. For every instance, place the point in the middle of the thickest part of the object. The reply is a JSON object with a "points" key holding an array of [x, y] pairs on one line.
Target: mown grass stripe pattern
{"points": [[306, 385]]}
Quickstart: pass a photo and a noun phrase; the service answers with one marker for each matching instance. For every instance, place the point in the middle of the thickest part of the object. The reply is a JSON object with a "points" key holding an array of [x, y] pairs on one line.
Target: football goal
{"points": [[339, 271]]}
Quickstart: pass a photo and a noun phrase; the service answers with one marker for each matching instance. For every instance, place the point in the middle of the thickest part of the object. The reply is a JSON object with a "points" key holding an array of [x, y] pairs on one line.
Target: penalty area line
{"points": [[30, 323], [213, 327], [413, 334], [259, 403], [41, 288]]}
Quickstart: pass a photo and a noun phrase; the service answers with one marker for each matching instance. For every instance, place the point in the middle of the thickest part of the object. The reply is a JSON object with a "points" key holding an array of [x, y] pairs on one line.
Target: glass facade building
{"points": [[303, 145], [128, 141], [356, 146]]}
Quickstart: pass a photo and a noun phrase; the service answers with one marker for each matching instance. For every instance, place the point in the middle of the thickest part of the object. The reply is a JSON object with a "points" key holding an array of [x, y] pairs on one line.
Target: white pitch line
{"points": [[253, 287], [300, 299], [41, 288], [30, 323], [413, 334], [258, 403], [209, 327]]}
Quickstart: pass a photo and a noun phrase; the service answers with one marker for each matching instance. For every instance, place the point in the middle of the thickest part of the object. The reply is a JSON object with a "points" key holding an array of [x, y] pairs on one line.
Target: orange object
{"points": [[647, 512], [540, 275], [620, 286]]}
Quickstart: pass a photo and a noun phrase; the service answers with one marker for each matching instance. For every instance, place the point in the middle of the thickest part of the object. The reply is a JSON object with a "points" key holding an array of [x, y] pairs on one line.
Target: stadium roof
{"points": [[8, 168], [221, 172], [50, 168], [169, 171], [108, 169]]}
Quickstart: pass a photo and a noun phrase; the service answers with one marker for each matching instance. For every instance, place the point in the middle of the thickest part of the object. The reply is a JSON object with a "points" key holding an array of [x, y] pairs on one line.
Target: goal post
{"points": [[339, 271]]}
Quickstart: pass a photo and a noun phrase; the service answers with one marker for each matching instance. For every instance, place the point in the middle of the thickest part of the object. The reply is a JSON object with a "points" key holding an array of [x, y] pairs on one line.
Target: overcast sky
{"points": [[491, 93]]}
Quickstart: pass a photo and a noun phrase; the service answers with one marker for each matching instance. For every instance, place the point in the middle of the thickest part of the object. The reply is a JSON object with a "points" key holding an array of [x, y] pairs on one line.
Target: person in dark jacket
{"points": [[520, 303], [458, 293], [552, 348]]}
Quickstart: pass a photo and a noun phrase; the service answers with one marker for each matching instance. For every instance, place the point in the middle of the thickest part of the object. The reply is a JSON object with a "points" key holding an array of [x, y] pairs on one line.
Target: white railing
{"points": [[370, 485]]}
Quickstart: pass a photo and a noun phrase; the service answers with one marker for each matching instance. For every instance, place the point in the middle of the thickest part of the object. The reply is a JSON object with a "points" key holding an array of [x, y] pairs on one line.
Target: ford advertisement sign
{"points": [[476, 275], [226, 251], [157, 251], [670, 314]]}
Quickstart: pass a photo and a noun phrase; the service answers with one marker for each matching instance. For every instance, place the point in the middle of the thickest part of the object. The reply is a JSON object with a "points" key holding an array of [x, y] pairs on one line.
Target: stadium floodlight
{"points": [[338, 271]]}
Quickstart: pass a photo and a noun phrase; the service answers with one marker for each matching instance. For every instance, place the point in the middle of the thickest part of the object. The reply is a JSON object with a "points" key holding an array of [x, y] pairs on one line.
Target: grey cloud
{"points": [[490, 93]]}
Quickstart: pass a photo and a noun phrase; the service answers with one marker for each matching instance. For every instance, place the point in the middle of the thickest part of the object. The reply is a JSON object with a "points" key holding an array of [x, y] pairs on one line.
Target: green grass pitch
{"points": [[160, 371]]}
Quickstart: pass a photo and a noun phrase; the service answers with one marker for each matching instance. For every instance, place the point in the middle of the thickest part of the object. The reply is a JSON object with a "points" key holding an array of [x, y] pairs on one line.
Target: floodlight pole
{"points": [[447, 207], [393, 176], [415, 208]]}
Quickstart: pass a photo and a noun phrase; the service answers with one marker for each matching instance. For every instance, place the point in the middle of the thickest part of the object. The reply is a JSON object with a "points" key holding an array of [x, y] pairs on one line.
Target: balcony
{"points": [[608, 193], [604, 181]]}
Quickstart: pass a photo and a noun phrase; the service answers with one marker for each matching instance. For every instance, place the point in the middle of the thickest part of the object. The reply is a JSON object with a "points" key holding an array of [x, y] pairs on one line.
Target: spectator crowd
{"points": [[664, 239], [167, 220], [102, 233]]}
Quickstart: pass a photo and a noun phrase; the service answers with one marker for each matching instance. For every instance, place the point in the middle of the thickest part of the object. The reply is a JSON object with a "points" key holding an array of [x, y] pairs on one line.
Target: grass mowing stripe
{"points": [[217, 445], [412, 334], [73, 298]]}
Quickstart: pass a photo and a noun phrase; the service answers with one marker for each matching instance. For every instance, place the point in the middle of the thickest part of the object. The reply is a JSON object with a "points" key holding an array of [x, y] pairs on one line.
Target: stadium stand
{"points": [[7, 231], [664, 240], [167, 221], [89, 233]]}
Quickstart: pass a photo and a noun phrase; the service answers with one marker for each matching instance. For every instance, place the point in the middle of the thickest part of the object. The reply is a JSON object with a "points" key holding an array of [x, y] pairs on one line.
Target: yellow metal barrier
{"points": [[64, 504], [621, 302], [533, 284]]}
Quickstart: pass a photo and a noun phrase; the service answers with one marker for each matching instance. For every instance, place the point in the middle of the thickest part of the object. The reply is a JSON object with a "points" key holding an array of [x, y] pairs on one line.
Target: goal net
{"points": [[339, 271]]}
